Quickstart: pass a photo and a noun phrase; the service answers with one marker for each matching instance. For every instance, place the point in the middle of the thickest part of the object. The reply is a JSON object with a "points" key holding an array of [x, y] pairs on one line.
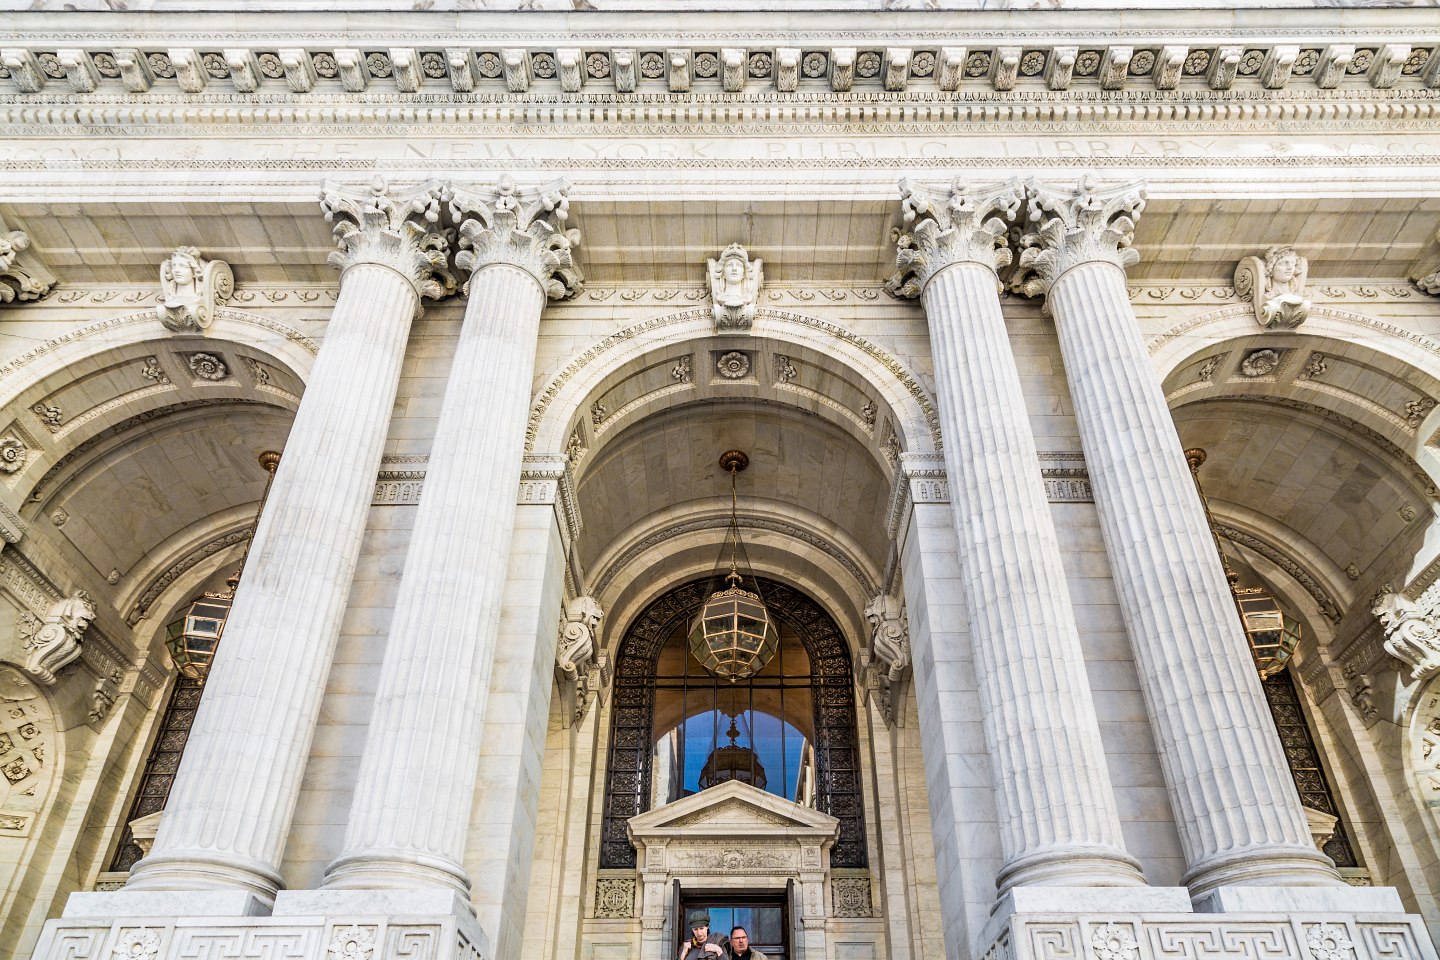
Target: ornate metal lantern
{"points": [[1273, 634], [193, 639], [733, 635]]}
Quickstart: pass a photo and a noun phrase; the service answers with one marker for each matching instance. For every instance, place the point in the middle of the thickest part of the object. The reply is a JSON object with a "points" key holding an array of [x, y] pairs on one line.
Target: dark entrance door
{"points": [[765, 915]]}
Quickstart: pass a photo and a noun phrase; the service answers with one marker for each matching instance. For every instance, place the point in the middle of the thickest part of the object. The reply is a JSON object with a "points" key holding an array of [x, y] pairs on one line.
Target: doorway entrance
{"points": [[765, 915]]}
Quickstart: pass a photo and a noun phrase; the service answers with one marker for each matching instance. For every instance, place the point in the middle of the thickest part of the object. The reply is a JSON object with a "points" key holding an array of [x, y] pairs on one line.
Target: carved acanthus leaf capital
{"points": [[1071, 225], [1412, 633], [963, 224], [581, 668], [54, 642], [524, 228], [397, 229], [20, 281], [885, 664]]}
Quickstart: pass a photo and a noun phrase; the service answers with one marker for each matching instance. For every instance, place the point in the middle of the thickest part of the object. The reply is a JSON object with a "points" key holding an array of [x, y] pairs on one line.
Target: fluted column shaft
{"points": [[416, 783], [1058, 820], [1239, 818], [228, 815]]}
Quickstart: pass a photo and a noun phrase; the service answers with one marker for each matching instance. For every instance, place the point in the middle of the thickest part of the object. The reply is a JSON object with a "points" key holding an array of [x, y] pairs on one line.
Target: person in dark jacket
{"points": [[701, 944], [740, 948]]}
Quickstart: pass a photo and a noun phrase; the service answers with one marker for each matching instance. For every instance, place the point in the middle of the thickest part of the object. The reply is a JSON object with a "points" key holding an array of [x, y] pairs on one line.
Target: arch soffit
{"points": [[176, 568], [1422, 753], [130, 333], [819, 578], [711, 516], [1400, 355], [1305, 565], [565, 398]]}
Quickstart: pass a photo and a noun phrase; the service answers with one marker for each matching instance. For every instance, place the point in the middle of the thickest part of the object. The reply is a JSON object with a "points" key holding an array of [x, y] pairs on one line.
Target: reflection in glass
{"points": [[759, 731]]}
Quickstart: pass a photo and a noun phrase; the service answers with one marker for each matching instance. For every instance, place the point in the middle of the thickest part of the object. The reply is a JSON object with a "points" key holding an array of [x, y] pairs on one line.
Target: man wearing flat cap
{"points": [[701, 944]]}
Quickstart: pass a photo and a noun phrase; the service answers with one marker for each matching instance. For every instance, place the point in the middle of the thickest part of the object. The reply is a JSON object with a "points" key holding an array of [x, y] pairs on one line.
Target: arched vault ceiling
{"points": [[1295, 468], [163, 479], [669, 462]]}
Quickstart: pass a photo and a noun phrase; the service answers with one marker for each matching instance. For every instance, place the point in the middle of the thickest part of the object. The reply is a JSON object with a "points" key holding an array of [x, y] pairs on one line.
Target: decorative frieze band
{"points": [[552, 70], [546, 478], [921, 478]]}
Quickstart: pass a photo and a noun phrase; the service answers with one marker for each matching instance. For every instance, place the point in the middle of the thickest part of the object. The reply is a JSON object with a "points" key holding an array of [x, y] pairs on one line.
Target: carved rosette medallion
{"points": [[962, 225], [1069, 226], [1114, 942], [352, 943], [1329, 942], [525, 229], [13, 454], [396, 229], [136, 945]]}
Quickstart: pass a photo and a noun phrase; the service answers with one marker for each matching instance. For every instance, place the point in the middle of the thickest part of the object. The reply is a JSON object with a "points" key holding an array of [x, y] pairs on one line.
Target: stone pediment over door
{"points": [[733, 836]]}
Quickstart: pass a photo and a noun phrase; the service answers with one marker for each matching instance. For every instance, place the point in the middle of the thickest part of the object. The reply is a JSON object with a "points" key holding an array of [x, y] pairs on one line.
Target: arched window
{"points": [[789, 730]]}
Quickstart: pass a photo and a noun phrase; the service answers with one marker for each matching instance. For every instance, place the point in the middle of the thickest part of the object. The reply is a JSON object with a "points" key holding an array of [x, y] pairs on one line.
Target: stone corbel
{"points": [[54, 642], [22, 276], [192, 289], [885, 664], [1412, 634], [1430, 282], [735, 281], [582, 669], [1322, 826], [1275, 287]]}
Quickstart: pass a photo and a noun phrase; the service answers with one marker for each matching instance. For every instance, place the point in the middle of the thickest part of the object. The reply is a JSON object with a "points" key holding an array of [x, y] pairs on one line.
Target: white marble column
{"points": [[1058, 820], [227, 818], [415, 788], [1239, 818]]}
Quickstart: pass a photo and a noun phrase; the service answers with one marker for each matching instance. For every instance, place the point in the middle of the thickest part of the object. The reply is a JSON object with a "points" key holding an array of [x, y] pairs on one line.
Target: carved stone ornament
{"points": [[13, 453], [1275, 287], [580, 667], [963, 225], [1329, 942], [735, 282], [191, 287], [1114, 942], [885, 664], [1068, 226], [524, 228], [207, 366], [352, 943], [55, 641], [398, 229], [1412, 634], [136, 945], [20, 281]]}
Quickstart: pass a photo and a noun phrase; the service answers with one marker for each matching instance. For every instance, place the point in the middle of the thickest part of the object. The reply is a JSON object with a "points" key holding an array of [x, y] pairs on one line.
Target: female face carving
{"points": [[733, 270]]}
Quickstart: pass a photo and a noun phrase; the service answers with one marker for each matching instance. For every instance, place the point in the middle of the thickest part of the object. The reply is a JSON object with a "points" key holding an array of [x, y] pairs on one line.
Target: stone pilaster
{"points": [[1239, 818], [415, 788], [228, 815], [1058, 820]]}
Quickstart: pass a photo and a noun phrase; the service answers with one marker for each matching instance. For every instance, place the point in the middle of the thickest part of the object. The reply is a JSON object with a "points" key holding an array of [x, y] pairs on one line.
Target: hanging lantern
{"points": [[733, 635], [1273, 634], [193, 639], [732, 762]]}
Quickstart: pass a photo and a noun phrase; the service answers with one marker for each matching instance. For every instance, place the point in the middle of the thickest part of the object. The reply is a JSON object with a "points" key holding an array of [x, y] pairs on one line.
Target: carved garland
{"points": [[627, 790]]}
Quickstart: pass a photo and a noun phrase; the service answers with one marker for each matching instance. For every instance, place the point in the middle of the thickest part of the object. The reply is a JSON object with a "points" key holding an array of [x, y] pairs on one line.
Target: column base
{"points": [[1265, 864], [387, 871], [185, 871], [306, 925], [1072, 867], [1157, 923]]}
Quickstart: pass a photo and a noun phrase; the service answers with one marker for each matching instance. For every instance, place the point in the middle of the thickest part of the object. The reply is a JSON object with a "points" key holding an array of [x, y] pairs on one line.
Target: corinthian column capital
{"points": [[522, 228], [1071, 225], [395, 229], [958, 226]]}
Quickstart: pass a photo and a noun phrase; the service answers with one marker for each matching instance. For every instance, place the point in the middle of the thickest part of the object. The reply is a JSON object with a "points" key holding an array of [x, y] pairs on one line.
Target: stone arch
{"points": [[1421, 756], [562, 406], [627, 764]]}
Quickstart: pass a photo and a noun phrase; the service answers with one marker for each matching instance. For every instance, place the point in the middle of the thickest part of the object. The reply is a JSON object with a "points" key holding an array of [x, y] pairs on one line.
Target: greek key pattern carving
{"points": [[1195, 937], [309, 938]]}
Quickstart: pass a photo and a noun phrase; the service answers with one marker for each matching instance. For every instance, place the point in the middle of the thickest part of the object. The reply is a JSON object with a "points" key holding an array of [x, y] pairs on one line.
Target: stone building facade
{"points": [[967, 285]]}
